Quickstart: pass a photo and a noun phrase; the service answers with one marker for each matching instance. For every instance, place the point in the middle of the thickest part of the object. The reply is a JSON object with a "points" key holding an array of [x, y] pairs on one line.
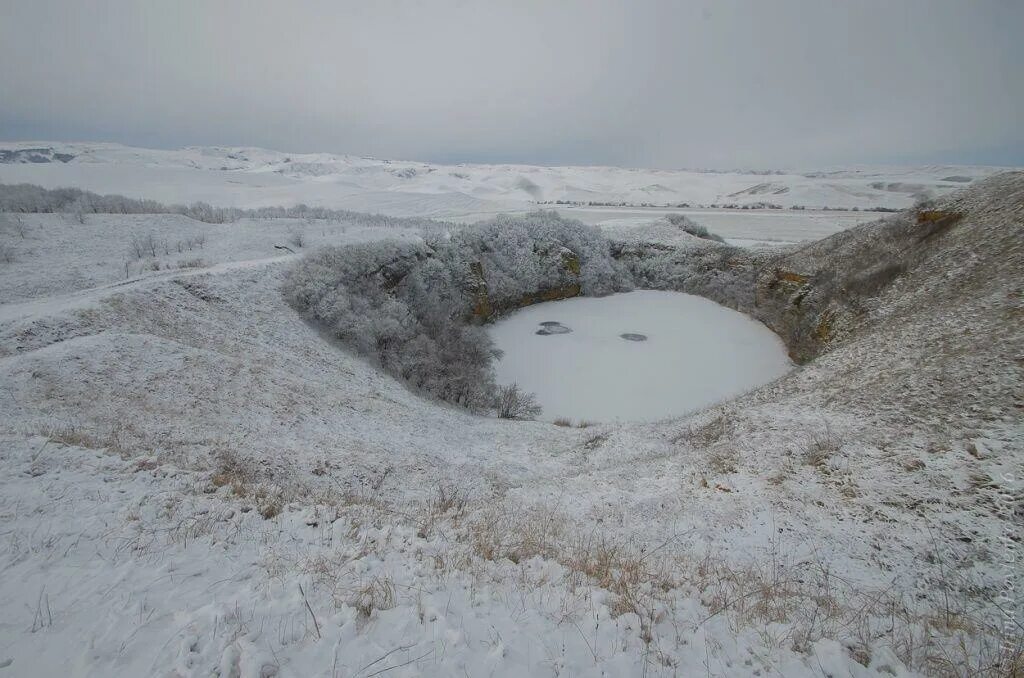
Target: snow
{"points": [[122, 398], [697, 353], [251, 177]]}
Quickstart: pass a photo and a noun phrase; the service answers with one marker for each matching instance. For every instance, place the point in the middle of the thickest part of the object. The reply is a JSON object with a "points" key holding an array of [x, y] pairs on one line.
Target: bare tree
{"points": [[142, 246]]}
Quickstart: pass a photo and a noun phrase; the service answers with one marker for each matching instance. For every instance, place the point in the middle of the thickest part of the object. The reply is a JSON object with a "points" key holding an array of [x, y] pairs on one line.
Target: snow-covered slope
{"points": [[195, 482], [252, 177]]}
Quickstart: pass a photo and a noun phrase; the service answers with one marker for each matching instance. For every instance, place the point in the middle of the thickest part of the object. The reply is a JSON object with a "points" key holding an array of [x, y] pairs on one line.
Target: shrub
{"points": [[192, 263], [514, 403]]}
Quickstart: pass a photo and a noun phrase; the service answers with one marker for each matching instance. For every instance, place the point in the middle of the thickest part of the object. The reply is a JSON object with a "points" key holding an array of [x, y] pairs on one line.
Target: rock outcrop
{"points": [[485, 308]]}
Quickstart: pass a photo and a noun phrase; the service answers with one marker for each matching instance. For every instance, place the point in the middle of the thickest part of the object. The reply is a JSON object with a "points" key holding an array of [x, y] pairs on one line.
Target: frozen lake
{"points": [[638, 356]]}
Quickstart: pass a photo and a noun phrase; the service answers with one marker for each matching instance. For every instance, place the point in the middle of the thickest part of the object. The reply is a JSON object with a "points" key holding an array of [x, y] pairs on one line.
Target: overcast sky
{"points": [[722, 83]]}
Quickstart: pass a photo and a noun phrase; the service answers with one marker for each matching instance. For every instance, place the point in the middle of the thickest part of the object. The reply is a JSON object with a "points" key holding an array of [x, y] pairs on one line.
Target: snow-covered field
{"points": [[251, 177], [693, 354], [196, 482]]}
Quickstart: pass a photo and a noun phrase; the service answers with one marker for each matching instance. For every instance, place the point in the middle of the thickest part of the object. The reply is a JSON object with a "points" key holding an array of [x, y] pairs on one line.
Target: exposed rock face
{"points": [[819, 294], [477, 286], [568, 286]]}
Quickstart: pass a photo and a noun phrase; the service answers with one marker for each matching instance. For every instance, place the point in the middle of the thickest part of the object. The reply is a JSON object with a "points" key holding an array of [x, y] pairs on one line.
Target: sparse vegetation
{"points": [[821, 446], [142, 246]]}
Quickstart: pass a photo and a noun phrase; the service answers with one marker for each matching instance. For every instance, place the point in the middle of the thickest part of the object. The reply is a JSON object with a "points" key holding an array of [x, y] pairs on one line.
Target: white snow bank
{"points": [[696, 353]]}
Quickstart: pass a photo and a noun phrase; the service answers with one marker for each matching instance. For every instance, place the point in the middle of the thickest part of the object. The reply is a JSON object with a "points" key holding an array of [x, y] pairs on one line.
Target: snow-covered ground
{"points": [[693, 353], [195, 482], [251, 177]]}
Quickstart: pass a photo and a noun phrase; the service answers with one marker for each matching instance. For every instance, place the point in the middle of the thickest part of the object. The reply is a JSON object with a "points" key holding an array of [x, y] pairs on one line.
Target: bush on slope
{"points": [[690, 226]]}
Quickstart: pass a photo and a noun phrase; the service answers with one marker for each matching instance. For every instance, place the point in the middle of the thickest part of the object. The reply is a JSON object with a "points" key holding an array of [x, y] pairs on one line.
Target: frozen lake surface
{"points": [[639, 356]]}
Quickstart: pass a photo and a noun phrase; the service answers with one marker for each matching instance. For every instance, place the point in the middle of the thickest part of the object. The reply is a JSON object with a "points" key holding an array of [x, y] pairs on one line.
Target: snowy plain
{"points": [[694, 353]]}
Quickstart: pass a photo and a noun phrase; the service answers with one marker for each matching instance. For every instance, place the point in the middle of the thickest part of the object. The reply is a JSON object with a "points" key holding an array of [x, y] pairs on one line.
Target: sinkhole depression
{"points": [[637, 356]]}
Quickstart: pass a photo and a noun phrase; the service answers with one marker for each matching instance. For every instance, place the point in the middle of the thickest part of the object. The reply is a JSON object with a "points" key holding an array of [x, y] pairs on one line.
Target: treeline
{"points": [[30, 198]]}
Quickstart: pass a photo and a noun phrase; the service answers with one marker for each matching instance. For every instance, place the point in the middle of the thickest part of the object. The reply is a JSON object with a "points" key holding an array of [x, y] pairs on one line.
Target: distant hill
{"points": [[254, 177]]}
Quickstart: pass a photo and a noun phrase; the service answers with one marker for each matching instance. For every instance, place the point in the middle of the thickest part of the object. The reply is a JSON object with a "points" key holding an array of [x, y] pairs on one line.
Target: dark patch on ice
{"points": [[551, 327], [632, 336]]}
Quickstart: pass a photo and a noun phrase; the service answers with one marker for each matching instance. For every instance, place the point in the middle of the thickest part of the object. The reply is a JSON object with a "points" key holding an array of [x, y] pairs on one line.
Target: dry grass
{"points": [[821, 447], [111, 440], [448, 504], [789, 603], [232, 471], [707, 434], [378, 593], [723, 460], [498, 533]]}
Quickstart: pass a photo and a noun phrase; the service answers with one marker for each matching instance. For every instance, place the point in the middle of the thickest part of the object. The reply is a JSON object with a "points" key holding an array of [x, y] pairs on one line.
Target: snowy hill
{"points": [[253, 177]]}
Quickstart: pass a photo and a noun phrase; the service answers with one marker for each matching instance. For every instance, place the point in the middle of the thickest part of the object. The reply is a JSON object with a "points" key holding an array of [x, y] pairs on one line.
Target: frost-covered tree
{"points": [[410, 307]]}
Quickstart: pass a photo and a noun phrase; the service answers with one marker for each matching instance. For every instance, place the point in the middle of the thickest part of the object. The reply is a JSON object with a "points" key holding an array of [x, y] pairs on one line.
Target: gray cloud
{"points": [[670, 84]]}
